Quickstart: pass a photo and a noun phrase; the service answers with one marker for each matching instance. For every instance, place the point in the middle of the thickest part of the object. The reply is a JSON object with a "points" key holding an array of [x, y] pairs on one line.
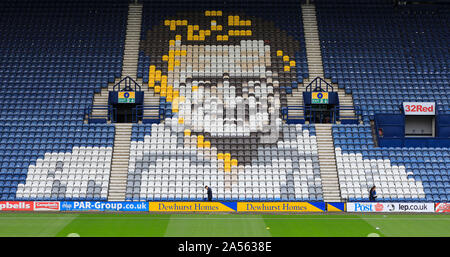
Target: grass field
{"points": [[221, 225]]}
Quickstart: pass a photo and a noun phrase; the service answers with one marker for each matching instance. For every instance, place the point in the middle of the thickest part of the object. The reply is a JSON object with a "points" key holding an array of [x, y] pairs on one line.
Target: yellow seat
{"points": [[200, 141], [230, 20]]}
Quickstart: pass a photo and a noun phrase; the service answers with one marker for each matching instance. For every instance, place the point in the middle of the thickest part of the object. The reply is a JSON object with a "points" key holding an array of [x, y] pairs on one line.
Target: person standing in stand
{"points": [[209, 192], [373, 194]]}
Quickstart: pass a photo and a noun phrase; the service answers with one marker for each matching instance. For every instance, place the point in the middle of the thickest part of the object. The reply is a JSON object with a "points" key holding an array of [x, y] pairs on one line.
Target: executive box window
{"points": [[419, 126]]}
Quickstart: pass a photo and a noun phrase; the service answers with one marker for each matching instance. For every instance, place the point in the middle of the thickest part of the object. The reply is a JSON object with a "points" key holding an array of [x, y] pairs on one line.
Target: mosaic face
{"points": [[222, 76], [235, 97]]}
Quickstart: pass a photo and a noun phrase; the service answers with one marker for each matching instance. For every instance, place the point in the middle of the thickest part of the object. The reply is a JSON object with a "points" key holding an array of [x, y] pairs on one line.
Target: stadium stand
{"points": [[179, 171], [220, 75], [239, 160], [54, 56], [385, 55]]}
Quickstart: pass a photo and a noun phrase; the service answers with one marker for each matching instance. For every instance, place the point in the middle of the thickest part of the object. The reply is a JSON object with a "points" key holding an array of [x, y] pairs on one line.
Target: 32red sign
{"points": [[417, 108]]}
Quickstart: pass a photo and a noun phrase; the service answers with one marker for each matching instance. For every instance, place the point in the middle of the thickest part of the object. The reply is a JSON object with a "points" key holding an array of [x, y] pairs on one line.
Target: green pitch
{"points": [[228, 225]]}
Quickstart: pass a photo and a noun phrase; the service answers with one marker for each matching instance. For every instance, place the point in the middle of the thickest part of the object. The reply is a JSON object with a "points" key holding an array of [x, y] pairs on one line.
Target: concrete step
{"points": [[122, 142]]}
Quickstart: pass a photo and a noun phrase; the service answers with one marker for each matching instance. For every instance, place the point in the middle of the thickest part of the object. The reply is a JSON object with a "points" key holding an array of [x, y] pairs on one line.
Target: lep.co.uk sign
{"points": [[419, 108], [390, 207]]}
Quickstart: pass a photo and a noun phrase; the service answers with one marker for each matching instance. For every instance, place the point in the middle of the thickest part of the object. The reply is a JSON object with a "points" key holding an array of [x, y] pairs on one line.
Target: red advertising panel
{"points": [[442, 207], [46, 206], [16, 206]]}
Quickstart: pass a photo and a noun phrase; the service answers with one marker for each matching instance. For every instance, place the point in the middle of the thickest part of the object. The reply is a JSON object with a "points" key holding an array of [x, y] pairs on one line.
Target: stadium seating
{"points": [[408, 174], [384, 56], [179, 170], [175, 160], [287, 17], [54, 56]]}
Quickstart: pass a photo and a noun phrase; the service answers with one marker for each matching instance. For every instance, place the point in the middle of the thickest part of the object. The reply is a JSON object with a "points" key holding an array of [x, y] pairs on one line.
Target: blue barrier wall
{"points": [[393, 126]]}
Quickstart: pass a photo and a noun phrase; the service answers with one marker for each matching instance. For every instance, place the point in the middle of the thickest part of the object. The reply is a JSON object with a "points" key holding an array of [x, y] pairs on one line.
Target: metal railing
{"points": [[318, 82], [314, 116], [127, 82], [140, 113], [137, 114], [290, 117], [355, 109], [110, 112]]}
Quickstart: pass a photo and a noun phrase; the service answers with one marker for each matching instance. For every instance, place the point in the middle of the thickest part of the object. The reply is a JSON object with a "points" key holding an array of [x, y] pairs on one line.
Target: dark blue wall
{"points": [[393, 126]]}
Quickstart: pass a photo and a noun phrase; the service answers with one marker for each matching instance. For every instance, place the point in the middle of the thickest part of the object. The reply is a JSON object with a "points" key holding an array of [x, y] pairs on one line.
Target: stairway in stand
{"points": [[314, 56], [119, 165], [325, 145], [129, 63], [327, 162]]}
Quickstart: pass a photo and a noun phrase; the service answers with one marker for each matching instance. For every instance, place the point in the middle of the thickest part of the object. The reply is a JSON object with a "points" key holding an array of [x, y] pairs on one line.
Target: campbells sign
{"points": [[419, 108], [46, 206], [16, 206]]}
